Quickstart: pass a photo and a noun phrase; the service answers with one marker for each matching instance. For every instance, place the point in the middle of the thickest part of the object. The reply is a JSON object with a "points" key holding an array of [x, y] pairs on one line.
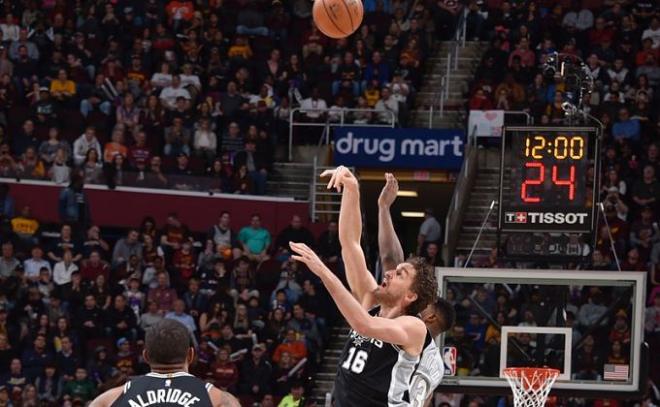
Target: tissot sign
{"points": [[547, 218], [399, 148]]}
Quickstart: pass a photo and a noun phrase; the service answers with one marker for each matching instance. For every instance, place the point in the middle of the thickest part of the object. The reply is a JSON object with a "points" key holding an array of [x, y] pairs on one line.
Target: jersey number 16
{"points": [[355, 361]]}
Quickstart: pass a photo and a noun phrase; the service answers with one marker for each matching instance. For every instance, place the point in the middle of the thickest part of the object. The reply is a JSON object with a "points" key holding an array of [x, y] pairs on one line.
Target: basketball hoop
{"points": [[530, 385]]}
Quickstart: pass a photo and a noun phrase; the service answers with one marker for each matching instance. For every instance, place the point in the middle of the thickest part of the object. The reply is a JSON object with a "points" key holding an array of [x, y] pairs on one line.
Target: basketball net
{"points": [[530, 385]]}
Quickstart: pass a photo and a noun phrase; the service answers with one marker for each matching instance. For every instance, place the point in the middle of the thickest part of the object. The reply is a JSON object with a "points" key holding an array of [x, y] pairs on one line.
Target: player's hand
{"points": [[388, 194], [339, 178], [306, 255]]}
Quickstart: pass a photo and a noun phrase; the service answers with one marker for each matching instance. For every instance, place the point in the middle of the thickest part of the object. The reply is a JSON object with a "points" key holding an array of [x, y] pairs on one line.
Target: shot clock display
{"points": [[547, 179]]}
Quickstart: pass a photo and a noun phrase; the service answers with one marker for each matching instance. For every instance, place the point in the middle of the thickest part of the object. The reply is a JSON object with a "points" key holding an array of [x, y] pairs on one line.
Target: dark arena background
{"points": [[157, 157]]}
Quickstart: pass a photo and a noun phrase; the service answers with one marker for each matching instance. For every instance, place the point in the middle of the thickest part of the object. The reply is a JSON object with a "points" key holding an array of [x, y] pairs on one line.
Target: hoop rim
{"points": [[526, 371]]}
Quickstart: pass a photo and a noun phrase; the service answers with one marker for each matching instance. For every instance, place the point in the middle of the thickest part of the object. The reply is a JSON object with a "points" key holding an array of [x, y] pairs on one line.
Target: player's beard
{"points": [[384, 297]]}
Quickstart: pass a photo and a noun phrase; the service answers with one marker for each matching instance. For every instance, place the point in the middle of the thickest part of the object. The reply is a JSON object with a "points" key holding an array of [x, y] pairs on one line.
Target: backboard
{"points": [[587, 324]]}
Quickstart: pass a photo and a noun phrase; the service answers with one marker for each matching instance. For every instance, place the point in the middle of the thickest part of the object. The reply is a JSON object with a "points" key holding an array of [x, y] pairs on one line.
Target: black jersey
{"points": [[373, 373], [164, 390]]}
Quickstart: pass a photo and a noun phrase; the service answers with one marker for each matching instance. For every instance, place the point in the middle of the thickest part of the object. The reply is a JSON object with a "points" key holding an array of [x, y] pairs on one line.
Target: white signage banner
{"points": [[486, 123]]}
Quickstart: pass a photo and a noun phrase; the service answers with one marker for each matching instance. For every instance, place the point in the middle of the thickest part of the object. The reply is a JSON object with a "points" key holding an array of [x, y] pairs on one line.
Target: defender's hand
{"points": [[388, 194]]}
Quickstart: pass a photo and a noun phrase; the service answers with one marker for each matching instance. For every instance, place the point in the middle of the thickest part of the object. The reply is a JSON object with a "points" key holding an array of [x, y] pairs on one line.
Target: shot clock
{"points": [[546, 182]]}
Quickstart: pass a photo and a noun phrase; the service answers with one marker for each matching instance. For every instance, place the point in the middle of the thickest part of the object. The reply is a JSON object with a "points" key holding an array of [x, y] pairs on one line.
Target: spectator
{"points": [[93, 267], [163, 295], [255, 240], [308, 328], [429, 232], [63, 270], [48, 148], [255, 164], [170, 93], [388, 107], [81, 388], [100, 97], [127, 247], [255, 373], [205, 141], [292, 345], [224, 373], [177, 139], [645, 191], [84, 143], [314, 107], [116, 145], [8, 262], [328, 245], [224, 239], [63, 89], [295, 232], [626, 128], [66, 360], [60, 172], [36, 358], [295, 397], [35, 263]]}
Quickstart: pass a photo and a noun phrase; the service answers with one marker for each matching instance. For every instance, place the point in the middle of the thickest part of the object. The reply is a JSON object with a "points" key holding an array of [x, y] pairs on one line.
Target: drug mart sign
{"points": [[399, 148]]}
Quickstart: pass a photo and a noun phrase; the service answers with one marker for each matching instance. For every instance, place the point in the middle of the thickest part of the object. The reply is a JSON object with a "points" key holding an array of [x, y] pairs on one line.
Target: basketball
{"points": [[338, 18]]}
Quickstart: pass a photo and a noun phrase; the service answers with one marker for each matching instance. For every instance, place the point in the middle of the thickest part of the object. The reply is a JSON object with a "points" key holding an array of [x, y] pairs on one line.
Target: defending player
{"points": [[169, 352], [387, 338], [438, 317]]}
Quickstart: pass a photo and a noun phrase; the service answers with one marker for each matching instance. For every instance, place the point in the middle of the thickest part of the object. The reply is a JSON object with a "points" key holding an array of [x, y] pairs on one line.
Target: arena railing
{"points": [[335, 118]]}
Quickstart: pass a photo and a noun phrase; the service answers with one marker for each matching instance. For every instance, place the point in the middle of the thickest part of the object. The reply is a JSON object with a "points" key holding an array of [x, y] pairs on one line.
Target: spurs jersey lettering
{"points": [[428, 374], [165, 390], [373, 373]]}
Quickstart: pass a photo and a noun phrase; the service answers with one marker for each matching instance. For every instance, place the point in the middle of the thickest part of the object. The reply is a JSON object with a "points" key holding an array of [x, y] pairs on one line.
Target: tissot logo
{"points": [[516, 217], [546, 218]]}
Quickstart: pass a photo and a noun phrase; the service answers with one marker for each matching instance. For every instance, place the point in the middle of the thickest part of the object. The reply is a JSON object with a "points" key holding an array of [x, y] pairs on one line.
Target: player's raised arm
{"points": [[404, 331], [360, 280], [389, 246]]}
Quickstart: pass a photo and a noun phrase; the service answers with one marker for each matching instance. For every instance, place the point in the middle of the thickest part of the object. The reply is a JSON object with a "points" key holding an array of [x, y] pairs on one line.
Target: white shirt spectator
{"points": [[187, 80], [10, 31], [32, 267], [170, 94], [161, 80], [82, 145], [334, 115], [431, 229], [313, 108], [387, 104], [60, 174], [62, 272], [582, 20], [205, 139], [653, 35]]}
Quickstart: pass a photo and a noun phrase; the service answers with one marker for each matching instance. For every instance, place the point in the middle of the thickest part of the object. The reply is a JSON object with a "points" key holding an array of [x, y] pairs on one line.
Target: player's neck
{"points": [[165, 369], [387, 311]]}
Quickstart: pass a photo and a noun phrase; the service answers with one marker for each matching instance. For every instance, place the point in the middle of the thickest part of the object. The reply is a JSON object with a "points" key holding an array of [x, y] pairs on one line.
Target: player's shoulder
{"points": [[411, 322], [108, 398]]}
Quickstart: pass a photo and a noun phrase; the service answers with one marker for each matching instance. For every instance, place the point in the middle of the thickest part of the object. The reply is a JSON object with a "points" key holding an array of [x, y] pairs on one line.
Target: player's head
{"points": [[439, 316], [168, 345], [411, 285]]}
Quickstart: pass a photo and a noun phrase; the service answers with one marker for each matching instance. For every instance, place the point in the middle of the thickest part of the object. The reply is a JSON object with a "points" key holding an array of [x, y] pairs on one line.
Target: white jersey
{"points": [[428, 375]]}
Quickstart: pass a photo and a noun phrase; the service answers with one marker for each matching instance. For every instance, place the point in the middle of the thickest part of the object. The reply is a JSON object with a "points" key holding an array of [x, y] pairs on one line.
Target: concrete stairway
{"points": [[291, 180], [436, 68], [484, 191], [325, 378]]}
